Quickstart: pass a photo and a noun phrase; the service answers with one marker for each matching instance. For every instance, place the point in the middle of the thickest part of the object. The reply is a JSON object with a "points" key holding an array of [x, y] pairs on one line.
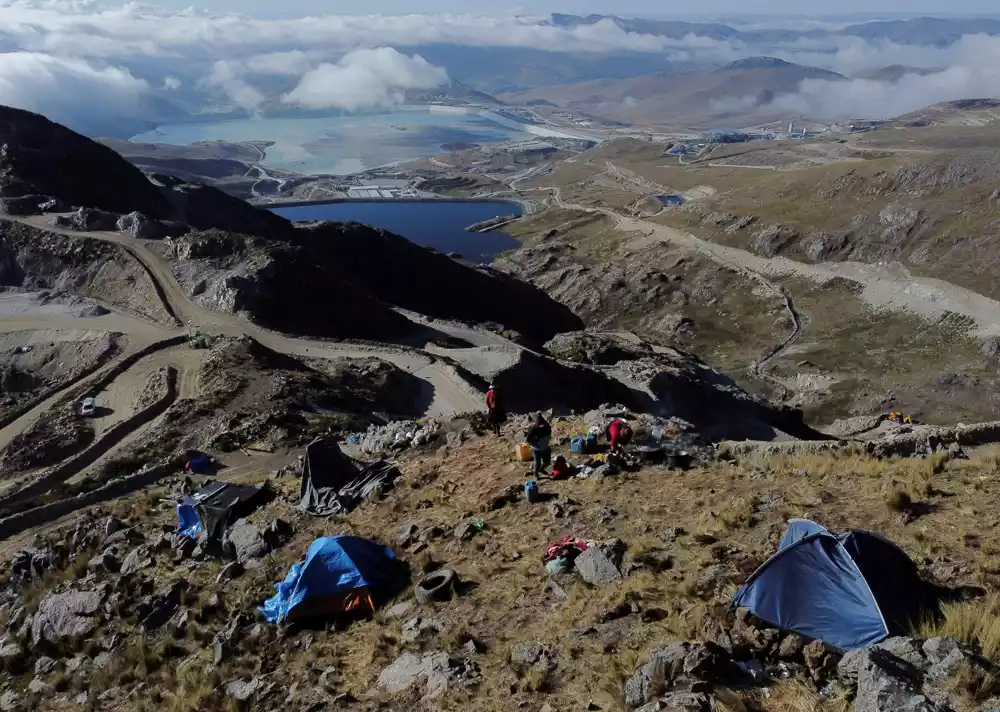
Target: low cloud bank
{"points": [[365, 79]]}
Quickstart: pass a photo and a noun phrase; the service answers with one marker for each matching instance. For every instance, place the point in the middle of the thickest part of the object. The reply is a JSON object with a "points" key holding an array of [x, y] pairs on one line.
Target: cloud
{"points": [[365, 79], [70, 91], [89, 50], [280, 64], [226, 78], [823, 99]]}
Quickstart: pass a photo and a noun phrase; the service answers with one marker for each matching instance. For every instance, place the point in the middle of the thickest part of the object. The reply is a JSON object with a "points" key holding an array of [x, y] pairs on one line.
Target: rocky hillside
{"points": [[45, 164], [261, 279], [412, 277], [641, 622]]}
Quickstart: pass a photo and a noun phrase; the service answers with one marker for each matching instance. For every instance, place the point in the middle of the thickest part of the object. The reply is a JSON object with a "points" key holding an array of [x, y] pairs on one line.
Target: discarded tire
{"points": [[436, 586]]}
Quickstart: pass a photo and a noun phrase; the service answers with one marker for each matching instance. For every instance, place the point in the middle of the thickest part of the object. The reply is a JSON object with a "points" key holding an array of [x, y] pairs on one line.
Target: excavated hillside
{"points": [[34, 259]]}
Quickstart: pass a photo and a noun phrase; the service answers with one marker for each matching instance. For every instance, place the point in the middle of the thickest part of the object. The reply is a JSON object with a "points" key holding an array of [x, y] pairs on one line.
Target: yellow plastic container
{"points": [[523, 452]]}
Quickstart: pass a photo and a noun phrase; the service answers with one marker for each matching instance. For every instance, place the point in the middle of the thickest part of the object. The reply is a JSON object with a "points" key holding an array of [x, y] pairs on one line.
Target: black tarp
{"points": [[218, 504], [334, 483]]}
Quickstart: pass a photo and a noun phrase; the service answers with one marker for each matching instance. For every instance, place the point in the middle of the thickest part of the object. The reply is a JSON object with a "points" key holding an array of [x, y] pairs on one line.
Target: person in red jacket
{"points": [[619, 434], [496, 414]]}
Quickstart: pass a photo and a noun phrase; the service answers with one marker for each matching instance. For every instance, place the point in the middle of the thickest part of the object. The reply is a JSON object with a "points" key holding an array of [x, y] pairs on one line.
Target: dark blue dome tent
{"points": [[850, 590]]}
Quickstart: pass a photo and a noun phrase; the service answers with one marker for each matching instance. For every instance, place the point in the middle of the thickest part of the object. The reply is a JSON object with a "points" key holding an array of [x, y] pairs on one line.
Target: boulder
{"points": [[771, 240], [847, 668], [407, 534], [664, 664], [430, 671], [819, 660], [597, 567], [888, 683], [906, 649], [11, 656], [247, 690], [66, 615], [87, 220], [946, 666], [421, 628], [156, 610], [140, 226], [401, 609], [684, 702], [30, 565], [104, 562], [466, 530], [44, 665], [791, 647], [937, 649], [530, 653], [10, 701], [138, 559], [229, 572], [246, 541]]}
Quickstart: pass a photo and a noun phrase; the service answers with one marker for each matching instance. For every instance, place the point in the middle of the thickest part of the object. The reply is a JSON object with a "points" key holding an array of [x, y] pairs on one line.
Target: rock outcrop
{"points": [[407, 275]]}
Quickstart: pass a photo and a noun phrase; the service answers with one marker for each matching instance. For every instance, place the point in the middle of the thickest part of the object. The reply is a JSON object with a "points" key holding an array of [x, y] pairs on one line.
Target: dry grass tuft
{"points": [[974, 683], [899, 501], [976, 623], [786, 696]]}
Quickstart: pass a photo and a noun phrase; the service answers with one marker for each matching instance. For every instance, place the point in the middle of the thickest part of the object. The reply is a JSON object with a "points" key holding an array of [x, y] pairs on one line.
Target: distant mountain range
{"points": [[938, 32], [737, 93]]}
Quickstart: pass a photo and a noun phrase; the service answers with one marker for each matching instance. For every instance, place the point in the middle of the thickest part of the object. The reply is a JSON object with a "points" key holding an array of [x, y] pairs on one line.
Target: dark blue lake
{"points": [[440, 225]]}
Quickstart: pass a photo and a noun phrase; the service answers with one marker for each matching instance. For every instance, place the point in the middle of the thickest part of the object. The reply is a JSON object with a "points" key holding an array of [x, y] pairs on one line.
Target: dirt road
{"points": [[451, 393], [889, 286]]}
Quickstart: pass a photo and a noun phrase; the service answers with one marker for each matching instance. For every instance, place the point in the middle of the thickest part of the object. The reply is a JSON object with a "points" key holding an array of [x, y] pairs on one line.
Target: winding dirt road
{"points": [[448, 391]]}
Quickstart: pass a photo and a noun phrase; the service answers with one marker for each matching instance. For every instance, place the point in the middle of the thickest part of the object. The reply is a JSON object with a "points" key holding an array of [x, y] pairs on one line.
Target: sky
{"points": [[56, 56], [635, 7]]}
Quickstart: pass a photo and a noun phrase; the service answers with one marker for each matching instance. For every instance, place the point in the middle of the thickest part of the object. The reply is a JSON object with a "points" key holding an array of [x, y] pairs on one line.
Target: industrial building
{"points": [[372, 191]]}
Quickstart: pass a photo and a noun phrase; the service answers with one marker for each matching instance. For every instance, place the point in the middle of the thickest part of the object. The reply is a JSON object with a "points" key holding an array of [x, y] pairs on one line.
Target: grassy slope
{"points": [[744, 505], [934, 368]]}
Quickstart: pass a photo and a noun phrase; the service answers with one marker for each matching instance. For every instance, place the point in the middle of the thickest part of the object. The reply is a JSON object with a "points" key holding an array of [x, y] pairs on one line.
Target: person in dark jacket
{"points": [[496, 414], [538, 437]]}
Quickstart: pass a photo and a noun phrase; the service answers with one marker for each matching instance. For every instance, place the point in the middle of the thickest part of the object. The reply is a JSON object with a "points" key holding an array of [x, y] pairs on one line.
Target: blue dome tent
{"points": [[849, 590], [337, 574]]}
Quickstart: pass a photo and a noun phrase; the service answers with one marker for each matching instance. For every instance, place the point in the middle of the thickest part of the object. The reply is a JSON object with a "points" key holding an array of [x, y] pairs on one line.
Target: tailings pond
{"points": [[437, 224]]}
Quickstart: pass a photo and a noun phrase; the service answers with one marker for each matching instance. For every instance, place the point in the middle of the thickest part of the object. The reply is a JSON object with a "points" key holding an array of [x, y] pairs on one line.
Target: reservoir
{"points": [[341, 145], [438, 224]]}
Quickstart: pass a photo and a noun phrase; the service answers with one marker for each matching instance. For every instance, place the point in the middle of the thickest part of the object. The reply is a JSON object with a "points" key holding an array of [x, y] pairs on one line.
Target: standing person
{"points": [[496, 414], [619, 434], [538, 437]]}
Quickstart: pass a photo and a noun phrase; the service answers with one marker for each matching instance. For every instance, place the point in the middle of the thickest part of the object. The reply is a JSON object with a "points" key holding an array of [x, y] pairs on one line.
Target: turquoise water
{"points": [[440, 225], [339, 145]]}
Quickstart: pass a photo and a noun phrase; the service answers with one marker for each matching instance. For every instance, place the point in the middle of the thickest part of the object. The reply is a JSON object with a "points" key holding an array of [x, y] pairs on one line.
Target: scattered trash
{"points": [[437, 586]]}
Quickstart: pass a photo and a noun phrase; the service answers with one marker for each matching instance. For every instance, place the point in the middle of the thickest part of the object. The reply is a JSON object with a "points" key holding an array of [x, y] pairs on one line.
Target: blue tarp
{"points": [[188, 522], [850, 590], [332, 565]]}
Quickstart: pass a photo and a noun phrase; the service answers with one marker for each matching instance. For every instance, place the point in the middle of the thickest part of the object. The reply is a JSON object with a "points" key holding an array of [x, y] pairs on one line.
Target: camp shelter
{"points": [[332, 482], [337, 574], [215, 505], [849, 590]]}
